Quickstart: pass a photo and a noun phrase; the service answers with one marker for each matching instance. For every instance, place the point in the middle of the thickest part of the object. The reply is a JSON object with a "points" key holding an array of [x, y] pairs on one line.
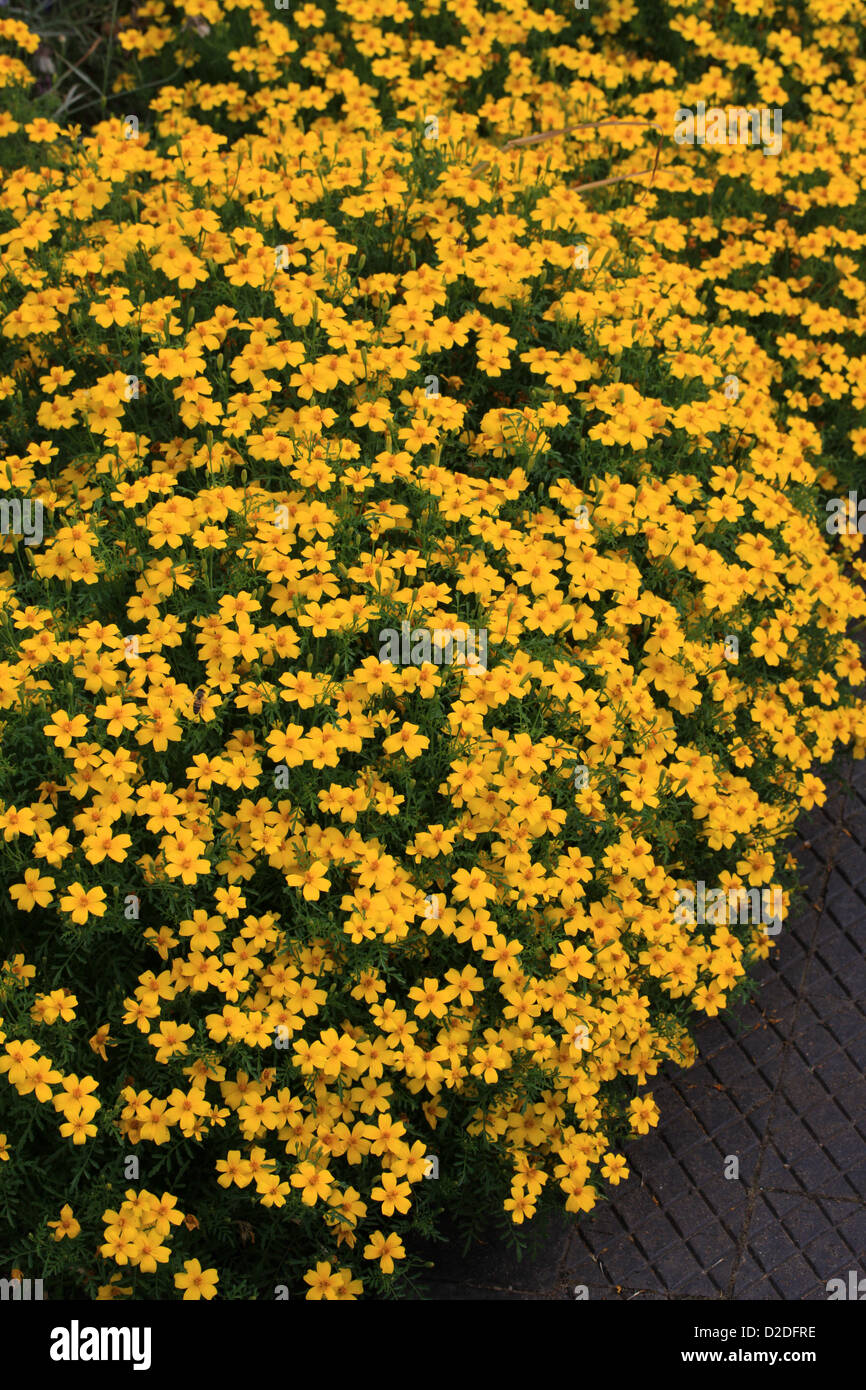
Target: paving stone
{"points": [[595, 1293], [814, 1171], [771, 1245], [494, 1263], [800, 1144], [686, 1130], [811, 865], [848, 1027], [716, 1252], [831, 1258], [853, 1229], [742, 1139], [751, 1281], [853, 866], [681, 1273], [836, 1186], [779, 994], [761, 1116], [781, 1201], [620, 1263], [794, 1279], [839, 890], [762, 1046], [749, 1090], [669, 1185], [813, 1041], [643, 1296], [804, 1223], [652, 1154], [656, 1235], [479, 1294], [855, 1175], [714, 1107], [706, 1168], [842, 1079], [691, 1213], [822, 837], [836, 950], [846, 1149], [721, 1237]]}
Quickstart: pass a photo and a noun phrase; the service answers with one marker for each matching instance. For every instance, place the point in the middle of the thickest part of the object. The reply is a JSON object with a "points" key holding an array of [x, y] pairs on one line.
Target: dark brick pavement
{"points": [[780, 1084]]}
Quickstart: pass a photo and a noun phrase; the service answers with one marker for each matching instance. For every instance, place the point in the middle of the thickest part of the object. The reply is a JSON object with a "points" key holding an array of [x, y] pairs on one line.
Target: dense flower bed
{"points": [[427, 586]]}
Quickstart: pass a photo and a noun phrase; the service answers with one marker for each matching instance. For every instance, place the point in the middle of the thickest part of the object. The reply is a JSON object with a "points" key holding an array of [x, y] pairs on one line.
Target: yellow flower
{"points": [[385, 1249], [614, 1168], [643, 1113], [313, 880], [35, 891], [331, 1285], [100, 1040], [196, 1282], [81, 902], [407, 740], [313, 1183], [392, 1195], [66, 1225]]}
